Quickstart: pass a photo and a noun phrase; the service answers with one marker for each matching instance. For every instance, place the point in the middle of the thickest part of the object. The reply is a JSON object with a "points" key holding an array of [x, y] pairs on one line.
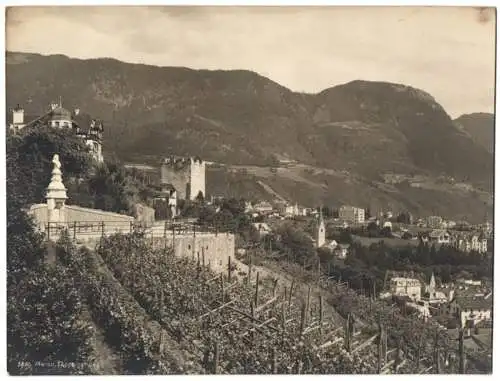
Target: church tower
{"points": [[321, 231]]}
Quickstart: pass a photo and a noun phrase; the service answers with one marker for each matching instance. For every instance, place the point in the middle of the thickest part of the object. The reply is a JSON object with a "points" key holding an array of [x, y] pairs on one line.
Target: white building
{"points": [[261, 228], [435, 222], [439, 236], [474, 242], [263, 207], [352, 214], [406, 287], [469, 309]]}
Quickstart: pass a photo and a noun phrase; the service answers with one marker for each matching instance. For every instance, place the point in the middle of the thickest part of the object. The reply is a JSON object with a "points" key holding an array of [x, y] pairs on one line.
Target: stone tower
{"points": [[321, 231], [56, 195], [186, 175]]}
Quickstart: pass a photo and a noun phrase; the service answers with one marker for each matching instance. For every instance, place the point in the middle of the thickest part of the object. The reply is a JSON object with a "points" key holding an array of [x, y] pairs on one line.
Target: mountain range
{"points": [[374, 144]]}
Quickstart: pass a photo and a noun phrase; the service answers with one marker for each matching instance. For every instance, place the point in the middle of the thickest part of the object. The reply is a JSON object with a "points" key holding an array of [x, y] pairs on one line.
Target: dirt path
{"points": [[108, 361]]}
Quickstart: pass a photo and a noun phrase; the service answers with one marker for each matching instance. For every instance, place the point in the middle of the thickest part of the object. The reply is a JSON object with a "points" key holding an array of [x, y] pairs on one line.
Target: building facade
{"points": [[90, 130], [352, 214], [406, 287], [185, 175]]}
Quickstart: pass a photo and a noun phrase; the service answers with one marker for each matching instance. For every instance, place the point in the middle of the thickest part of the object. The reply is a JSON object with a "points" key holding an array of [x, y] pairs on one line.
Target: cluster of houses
{"points": [[465, 303], [463, 241]]}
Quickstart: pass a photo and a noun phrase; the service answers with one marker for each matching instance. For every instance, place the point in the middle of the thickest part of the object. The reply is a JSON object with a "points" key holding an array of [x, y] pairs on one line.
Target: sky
{"points": [[447, 51]]}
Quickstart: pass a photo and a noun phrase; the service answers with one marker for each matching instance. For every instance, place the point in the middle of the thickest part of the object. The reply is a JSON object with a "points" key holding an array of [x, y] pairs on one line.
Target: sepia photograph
{"points": [[271, 190]]}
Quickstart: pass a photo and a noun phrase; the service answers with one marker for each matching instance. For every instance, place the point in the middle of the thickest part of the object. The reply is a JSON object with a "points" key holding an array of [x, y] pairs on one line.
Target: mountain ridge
{"points": [[367, 128]]}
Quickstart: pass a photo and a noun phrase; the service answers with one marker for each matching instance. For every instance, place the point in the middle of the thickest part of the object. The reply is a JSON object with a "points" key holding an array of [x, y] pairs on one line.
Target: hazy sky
{"points": [[448, 52]]}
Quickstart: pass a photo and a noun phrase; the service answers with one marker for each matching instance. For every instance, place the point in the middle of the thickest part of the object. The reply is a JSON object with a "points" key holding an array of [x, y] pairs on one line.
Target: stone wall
{"points": [[178, 175], [217, 248], [82, 222]]}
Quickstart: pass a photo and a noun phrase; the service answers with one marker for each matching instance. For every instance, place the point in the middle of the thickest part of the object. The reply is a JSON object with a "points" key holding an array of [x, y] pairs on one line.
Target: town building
{"points": [[90, 130], [185, 175], [263, 207], [469, 309], [341, 251], [439, 236], [434, 222], [261, 228], [409, 287], [467, 242], [352, 214]]}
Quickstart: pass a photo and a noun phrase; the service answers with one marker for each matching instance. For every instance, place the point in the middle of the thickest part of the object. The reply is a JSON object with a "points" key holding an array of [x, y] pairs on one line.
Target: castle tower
{"points": [[196, 178], [321, 231], [187, 176], [56, 195]]}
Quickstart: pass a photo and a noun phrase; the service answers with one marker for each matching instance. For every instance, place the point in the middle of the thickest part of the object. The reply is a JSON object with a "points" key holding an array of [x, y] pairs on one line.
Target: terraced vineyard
{"points": [[168, 315]]}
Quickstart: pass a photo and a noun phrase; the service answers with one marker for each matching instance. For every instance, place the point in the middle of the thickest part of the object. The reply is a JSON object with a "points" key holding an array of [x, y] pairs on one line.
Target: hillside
{"points": [[365, 130], [480, 126]]}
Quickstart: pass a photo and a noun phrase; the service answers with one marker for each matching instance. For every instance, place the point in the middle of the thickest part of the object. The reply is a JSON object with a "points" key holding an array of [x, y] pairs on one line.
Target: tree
{"points": [[297, 243], [44, 324], [200, 198], [32, 156]]}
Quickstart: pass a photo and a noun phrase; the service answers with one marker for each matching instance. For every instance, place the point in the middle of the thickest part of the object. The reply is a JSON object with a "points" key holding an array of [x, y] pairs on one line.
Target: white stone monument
{"points": [[56, 196]]}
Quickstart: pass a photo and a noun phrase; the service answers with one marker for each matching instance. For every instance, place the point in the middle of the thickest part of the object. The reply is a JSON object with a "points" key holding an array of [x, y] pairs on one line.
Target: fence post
{"points": [[74, 231], [102, 228], [229, 269]]}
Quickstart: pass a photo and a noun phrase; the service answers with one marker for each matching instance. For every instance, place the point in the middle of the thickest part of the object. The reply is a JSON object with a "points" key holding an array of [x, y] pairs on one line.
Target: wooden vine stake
{"points": [[161, 320], [274, 361], [229, 269], [302, 319], [349, 327], [461, 352], [216, 358], [252, 312], [308, 305], [397, 360], [283, 323], [437, 363], [222, 288], [206, 358], [290, 296], [249, 279], [275, 287], [380, 346], [321, 314], [419, 351], [256, 298]]}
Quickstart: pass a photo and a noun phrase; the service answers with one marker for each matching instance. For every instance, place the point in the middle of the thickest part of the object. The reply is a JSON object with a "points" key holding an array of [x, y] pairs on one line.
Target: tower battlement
{"points": [[186, 174]]}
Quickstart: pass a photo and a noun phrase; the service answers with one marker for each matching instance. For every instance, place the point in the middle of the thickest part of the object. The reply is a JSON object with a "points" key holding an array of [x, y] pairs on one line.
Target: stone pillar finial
{"points": [[56, 188], [56, 195]]}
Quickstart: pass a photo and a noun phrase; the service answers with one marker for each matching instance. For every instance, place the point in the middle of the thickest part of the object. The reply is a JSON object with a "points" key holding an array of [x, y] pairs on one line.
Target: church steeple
{"points": [[321, 231]]}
